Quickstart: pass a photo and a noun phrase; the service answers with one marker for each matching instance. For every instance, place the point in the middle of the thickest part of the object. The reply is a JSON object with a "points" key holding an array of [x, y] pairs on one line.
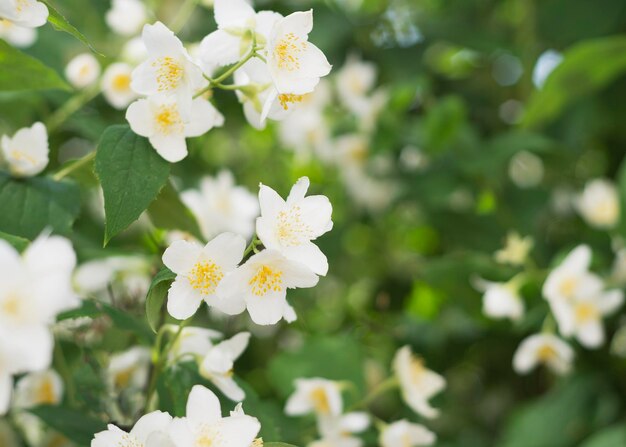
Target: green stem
{"points": [[255, 241], [64, 172], [218, 81], [184, 13], [64, 371], [71, 106], [379, 389]]}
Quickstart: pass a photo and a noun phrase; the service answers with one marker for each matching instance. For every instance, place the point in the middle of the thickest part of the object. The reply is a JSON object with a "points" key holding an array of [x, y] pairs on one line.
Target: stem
{"points": [[63, 369], [74, 166], [184, 13], [71, 106], [255, 241], [217, 81], [379, 389]]}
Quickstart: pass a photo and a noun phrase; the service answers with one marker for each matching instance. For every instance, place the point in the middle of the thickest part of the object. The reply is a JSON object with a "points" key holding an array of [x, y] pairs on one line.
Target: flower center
{"points": [[122, 378], [320, 401], [21, 156], [11, 306], [585, 312], [568, 286], [169, 73], [289, 98], [45, 393], [205, 276], [208, 436], [266, 280], [287, 52], [130, 441], [121, 82], [546, 353], [168, 119], [290, 227]]}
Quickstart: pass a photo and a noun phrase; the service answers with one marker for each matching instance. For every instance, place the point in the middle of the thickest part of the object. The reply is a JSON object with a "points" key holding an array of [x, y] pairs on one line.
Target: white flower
{"points": [[83, 70], [39, 388], [129, 368], [16, 35], [543, 348], [150, 430], [354, 81], [168, 70], [261, 284], [134, 51], [404, 433], [290, 226], [126, 17], [547, 62], [516, 250], [28, 13], [336, 430], [129, 276], [27, 151], [218, 362], [193, 341], [205, 426], [599, 204], [162, 121], [237, 23], [116, 85], [199, 271], [221, 206], [295, 64], [315, 395], [501, 300], [417, 384]]}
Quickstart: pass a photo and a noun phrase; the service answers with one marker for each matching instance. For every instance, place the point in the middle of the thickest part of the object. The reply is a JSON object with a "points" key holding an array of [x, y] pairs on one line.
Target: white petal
{"points": [[229, 387], [298, 191], [310, 255], [172, 148], [203, 406], [591, 334], [181, 256], [139, 117], [219, 49], [267, 309], [149, 423], [226, 249], [235, 345], [271, 203], [232, 12], [203, 118], [182, 300]]}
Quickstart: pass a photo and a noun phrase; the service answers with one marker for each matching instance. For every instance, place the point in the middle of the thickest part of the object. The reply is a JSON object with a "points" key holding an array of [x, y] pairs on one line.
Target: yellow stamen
{"points": [[320, 400], [585, 312], [290, 227], [266, 280], [168, 119], [205, 276], [546, 353], [288, 98], [45, 393], [121, 82], [169, 73], [287, 52]]}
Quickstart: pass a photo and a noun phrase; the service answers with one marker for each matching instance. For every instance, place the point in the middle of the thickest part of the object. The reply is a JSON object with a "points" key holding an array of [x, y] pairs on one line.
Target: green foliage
{"points": [[131, 174], [168, 212], [156, 296], [610, 437], [20, 72], [75, 425], [18, 242], [60, 23], [31, 205]]}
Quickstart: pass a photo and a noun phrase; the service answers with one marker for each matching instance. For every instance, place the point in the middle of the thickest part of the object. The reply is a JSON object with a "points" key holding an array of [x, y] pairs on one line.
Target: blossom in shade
{"points": [[406, 434], [315, 395], [599, 205], [115, 85], [27, 152], [27, 13], [83, 70], [218, 362], [126, 17], [546, 349]]}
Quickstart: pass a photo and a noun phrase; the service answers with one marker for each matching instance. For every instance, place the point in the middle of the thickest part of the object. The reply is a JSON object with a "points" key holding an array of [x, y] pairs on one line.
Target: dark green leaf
{"points": [[60, 23], [131, 174], [19, 72], [18, 242], [75, 425], [30, 205], [156, 296], [88, 308], [170, 213]]}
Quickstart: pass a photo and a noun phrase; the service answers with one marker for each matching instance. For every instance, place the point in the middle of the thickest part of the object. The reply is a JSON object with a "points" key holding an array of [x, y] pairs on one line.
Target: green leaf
{"points": [[19, 72], [131, 174], [170, 213], [277, 444], [128, 322], [610, 437], [156, 296], [31, 205], [75, 425], [586, 68], [17, 242], [60, 23]]}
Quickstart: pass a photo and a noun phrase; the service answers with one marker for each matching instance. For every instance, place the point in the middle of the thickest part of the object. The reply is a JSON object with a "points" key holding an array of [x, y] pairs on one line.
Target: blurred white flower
{"points": [[547, 62], [218, 362], [618, 272], [162, 121], [526, 169], [260, 285], [417, 384], [83, 70], [28, 13], [128, 276], [516, 249], [295, 64], [151, 430], [26, 153], [126, 17], [169, 70], [315, 395], [16, 35], [572, 278], [129, 369], [404, 433], [290, 226], [199, 271], [354, 81], [115, 85], [204, 424], [501, 300], [38, 388], [134, 51], [192, 341], [219, 205], [547, 349], [336, 431], [599, 204]]}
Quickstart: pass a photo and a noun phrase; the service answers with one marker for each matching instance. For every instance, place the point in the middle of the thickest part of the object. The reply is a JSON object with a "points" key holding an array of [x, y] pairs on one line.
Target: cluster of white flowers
{"points": [[203, 425], [36, 286], [26, 153], [18, 20], [212, 273]]}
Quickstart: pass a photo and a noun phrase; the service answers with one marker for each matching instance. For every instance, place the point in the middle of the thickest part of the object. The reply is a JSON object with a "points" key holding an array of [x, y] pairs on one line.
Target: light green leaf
{"points": [[156, 296], [170, 213], [17, 242], [60, 23], [131, 174], [31, 205], [610, 437], [74, 424], [586, 68], [19, 72]]}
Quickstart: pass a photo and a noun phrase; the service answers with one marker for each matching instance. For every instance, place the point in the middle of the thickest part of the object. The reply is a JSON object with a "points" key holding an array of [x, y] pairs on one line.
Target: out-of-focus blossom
{"points": [[526, 169], [336, 431], [162, 121], [115, 85], [290, 226], [219, 205], [26, 153], [572, 279], [83, 70], [218, 362], [547, 349], [38, 388], [129, 369], [16, 35], [315, 395], [599, 204], [501, 300], [151, 430], [516, 249], [547, 62], [126, 17], [417, 383], [405, 433], [134, 51], [28, 13]]}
